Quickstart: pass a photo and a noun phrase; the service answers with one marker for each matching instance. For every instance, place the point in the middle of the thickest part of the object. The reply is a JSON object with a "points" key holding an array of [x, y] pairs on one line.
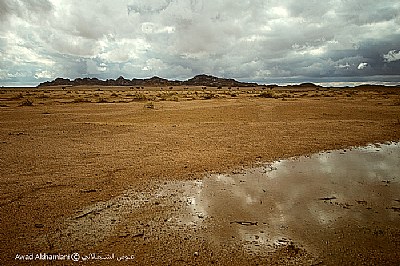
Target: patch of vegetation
{"points": [[209, 96], [170, 96], [81, 100], [139, 97], [285, 95], [27, 102], [17, 97], [267, 94], [102, 100], [149, 105], [42, 96]]}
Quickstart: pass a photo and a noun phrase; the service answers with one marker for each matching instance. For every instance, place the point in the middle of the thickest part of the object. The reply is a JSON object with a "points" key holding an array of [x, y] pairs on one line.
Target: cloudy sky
{"points": [[267, 41]]}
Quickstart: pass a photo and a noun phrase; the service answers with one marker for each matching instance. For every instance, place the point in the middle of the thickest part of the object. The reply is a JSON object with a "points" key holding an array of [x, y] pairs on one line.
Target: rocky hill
{"points": [[199, 80]]}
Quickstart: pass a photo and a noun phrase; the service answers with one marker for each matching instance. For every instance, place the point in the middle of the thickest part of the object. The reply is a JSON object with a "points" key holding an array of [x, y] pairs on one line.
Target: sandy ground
{"points": [[82, 151]]}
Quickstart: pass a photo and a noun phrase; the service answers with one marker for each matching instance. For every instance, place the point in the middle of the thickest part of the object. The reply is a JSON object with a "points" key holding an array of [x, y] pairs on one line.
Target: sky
{"points": [[264, 41]]}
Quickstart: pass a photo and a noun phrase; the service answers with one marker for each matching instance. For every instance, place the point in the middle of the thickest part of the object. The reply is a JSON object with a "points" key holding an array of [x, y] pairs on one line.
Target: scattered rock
{"points": [[328, 198], [88, 190], [16, 133], [138, 234], [396, 209], [245, 223]]}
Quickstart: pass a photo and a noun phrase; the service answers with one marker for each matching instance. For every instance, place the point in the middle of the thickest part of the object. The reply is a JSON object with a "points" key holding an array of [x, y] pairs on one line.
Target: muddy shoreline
{"points": [[62, 155]]}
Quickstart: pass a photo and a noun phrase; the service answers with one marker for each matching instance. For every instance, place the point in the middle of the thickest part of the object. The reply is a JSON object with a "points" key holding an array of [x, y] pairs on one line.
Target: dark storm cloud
{"points": [[260, 40]]}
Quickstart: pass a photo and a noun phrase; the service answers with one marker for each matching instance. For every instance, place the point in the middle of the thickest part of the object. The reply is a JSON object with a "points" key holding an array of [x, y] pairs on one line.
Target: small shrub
{"points": [[27, 102], [267, 94], [149, 105], [208, 96], [18, 96], [102, 100], [139, 97], [81, 100]]}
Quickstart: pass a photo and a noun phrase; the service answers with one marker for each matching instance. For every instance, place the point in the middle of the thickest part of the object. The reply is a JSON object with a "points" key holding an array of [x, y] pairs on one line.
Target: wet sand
{"points": [[100, 177]]}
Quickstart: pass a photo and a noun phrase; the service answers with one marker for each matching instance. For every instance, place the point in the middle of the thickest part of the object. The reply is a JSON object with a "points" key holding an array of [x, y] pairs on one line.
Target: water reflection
{"points": [[294, 199]]}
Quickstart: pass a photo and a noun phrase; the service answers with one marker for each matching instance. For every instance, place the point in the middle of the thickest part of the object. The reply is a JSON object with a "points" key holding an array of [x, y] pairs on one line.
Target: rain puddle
{"points": [[314, 201], [324, 203]]}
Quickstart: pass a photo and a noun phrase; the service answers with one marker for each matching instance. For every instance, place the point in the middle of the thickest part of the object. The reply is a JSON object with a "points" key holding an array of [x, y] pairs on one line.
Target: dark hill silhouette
{"points": [[199, 80]]}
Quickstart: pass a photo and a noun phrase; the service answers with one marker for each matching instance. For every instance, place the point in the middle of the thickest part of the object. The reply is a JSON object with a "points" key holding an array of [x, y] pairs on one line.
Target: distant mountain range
{"points": [[199, 80]]}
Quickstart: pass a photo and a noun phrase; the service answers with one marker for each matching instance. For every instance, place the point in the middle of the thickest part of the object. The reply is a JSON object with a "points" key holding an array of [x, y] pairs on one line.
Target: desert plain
{"points": [[98, 170]]}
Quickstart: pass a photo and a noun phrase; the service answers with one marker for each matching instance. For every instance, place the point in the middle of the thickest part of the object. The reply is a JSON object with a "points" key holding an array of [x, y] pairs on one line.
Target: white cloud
{"points": [[362, 66], [44, 74], [343, 66], [392, 56], [123, 50]]}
